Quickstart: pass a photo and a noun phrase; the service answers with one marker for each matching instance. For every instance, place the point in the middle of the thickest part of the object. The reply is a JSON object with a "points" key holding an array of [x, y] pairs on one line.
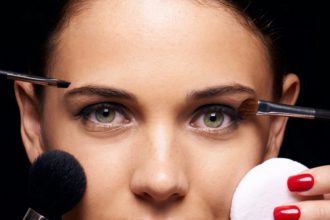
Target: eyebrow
{"points": [[221, 90], [107, 92]]}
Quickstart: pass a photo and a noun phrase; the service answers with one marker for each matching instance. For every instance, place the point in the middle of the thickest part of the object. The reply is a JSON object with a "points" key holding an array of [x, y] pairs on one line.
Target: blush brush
{"points": [[253, 107]]}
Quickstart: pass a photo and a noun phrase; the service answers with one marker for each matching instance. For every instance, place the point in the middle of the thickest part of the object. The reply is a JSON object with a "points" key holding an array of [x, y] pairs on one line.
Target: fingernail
{"points": [[290, 212], [300, 183]]}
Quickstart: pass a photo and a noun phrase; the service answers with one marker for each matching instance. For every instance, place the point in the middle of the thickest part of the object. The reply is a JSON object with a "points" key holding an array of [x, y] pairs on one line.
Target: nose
{"points": [[159, 178]]}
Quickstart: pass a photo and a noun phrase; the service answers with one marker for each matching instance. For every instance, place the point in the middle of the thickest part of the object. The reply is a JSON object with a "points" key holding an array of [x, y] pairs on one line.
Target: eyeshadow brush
{"points": [[252, 107], [35, 79]]}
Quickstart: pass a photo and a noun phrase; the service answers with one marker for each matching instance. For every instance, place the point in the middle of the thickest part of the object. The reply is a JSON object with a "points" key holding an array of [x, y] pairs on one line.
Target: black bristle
{"points": [[63, 84], [57, 182]]}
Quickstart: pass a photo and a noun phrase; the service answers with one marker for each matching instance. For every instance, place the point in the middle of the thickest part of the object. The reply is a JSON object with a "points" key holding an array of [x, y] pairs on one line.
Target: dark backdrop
{"points": [[306, 141]]}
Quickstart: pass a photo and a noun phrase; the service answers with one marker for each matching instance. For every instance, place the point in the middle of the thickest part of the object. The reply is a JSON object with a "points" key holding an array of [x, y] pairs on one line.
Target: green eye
{"points": [[213, 119], [105, 115]]}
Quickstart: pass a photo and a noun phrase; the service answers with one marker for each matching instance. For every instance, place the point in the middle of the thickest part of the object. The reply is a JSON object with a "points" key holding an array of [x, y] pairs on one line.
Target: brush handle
{"points": [[45, 81], [322, 114], [269, 108]]}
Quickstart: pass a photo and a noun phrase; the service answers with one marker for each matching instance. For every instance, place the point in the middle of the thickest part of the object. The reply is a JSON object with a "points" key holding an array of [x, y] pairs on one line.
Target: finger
{"points": [[310, 182], [308, 210]]}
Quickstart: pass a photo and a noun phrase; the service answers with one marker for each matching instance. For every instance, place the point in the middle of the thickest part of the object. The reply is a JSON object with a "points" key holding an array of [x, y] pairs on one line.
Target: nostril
{"points": [[144, 196], [157, 192], [160, 204], [158, 188], [176, 198]]}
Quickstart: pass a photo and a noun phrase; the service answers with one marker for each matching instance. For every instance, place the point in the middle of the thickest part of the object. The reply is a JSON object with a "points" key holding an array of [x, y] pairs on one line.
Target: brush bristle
{"points": [[249, 107], [57, 182], [63, 84]]}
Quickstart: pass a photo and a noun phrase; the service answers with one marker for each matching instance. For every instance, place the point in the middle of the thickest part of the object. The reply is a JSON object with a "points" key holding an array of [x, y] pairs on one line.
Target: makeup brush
{"points": [[45, 81], [252, 107], [57, 182]]}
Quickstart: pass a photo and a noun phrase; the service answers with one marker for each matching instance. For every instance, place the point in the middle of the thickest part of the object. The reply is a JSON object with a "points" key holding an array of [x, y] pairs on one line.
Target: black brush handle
{"points": [[322, 114], [270, 108], [40, 80]]}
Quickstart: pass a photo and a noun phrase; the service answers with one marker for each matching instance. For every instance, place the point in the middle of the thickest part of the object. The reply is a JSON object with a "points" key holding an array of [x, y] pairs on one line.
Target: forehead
{"points": [[128, 38]]}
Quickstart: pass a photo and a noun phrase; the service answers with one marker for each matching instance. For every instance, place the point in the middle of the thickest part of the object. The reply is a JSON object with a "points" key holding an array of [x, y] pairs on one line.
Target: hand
{"points": [[308, 184]]}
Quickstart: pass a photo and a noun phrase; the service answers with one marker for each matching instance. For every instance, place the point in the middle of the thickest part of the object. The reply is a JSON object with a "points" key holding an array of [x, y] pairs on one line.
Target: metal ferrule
{"points": [[33, 215]]}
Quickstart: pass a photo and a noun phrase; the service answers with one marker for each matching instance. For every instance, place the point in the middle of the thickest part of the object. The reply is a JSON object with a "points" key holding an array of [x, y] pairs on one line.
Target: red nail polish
{"points": [[290, 212], [299, 183]]}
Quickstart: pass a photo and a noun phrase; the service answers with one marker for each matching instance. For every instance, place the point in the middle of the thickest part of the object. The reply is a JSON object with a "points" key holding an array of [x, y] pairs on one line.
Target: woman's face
{"points": [[151, 112]]}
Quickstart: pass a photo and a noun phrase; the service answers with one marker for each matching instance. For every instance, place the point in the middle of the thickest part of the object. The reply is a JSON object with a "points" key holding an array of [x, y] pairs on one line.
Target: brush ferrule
{"points": [[33, 215], [269, 108]]}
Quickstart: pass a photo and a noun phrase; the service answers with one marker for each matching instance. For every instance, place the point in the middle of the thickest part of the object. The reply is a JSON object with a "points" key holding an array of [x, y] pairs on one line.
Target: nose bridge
{"points": [[161, 140], [160, 176], [163, 146]]}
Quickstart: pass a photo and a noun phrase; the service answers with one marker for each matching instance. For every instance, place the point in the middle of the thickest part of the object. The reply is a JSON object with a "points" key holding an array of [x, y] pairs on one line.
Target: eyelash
{"points": [[89, 118], [230, 117]]}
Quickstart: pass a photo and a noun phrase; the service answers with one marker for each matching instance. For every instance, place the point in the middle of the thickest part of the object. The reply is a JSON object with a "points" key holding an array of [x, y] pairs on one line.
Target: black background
{"points": [[305, 141]]}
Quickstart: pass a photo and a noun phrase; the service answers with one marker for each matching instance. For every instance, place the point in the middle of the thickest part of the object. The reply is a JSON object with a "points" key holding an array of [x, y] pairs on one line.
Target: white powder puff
{"points": [[263, 188]]}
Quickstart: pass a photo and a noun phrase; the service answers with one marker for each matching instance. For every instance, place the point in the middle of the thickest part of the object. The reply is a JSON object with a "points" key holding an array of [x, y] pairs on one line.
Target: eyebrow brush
{"points": [[252, 107], [45, 81]]}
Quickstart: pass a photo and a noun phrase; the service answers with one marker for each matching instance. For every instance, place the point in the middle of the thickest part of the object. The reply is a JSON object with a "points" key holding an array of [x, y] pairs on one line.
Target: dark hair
{"points": [[47, 18], [264, 16], [43, 19]]}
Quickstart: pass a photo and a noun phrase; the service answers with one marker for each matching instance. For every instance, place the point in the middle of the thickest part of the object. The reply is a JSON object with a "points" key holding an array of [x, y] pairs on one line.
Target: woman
{"points": [[152, 110]]}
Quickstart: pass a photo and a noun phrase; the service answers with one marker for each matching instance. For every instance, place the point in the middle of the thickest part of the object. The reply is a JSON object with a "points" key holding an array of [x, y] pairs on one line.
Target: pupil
{"points": [[105, 113], [213, 117]]}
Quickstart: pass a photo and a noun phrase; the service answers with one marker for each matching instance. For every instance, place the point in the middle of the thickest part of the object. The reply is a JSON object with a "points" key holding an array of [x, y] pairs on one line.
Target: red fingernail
{"points": [[299, 183], [290, 212]]}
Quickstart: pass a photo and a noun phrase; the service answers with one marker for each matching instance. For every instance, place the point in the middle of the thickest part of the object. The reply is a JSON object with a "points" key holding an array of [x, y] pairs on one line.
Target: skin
{"points": [[170, 57]]}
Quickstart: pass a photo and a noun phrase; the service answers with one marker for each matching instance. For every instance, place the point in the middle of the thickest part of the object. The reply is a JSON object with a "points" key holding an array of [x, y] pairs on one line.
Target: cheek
{"points": [[218, 167], [107, 164], [107, 174]]}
